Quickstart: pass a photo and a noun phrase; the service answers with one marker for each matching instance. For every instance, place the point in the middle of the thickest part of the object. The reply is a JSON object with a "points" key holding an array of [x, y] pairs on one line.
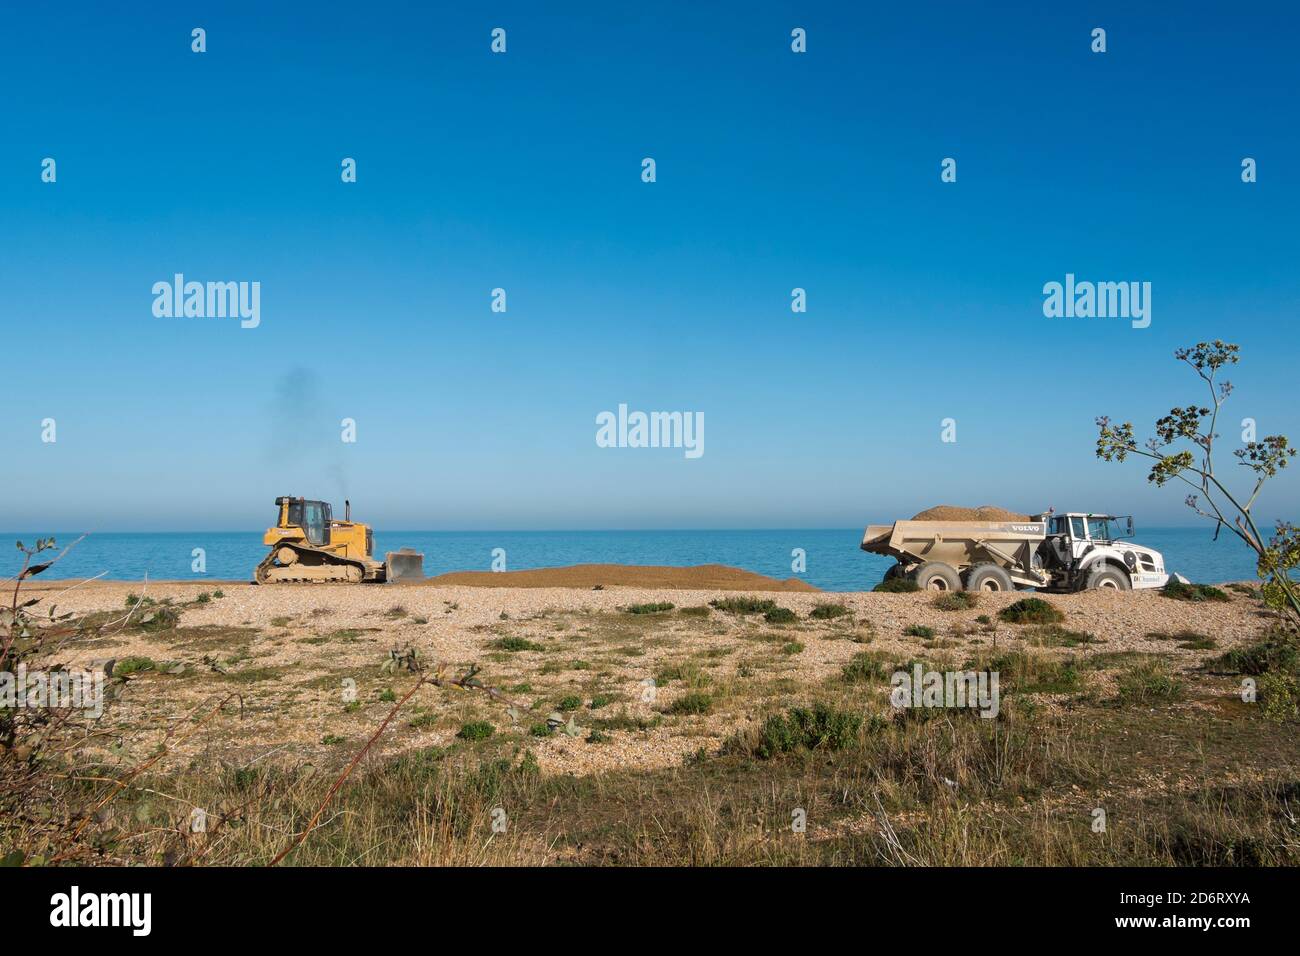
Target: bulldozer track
{"points": [[331, 570], [280, 580]]}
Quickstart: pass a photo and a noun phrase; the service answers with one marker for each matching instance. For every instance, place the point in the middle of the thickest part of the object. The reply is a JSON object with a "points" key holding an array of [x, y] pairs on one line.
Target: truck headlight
{"points": [[1131, 560]]}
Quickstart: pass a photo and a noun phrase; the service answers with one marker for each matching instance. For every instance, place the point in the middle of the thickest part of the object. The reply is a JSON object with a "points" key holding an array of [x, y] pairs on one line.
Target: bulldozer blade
{"points": [[403, 565]]}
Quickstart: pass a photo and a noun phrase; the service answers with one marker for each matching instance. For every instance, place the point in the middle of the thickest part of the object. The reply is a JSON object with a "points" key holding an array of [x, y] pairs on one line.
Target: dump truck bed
{"points": [[960, 544], [908, 538]]}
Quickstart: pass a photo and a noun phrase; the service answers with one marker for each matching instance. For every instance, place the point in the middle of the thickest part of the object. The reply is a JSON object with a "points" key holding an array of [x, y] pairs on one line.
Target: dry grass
{"points": [[1147, 729]]}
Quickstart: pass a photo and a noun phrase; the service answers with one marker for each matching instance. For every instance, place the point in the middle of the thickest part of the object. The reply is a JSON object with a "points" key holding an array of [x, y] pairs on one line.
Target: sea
{"points": [[829, 559]]}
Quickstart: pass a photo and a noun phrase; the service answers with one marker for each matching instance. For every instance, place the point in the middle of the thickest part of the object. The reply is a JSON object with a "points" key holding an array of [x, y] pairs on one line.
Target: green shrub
{"points": [[791, 648], [1194, 592], [1187, 640], [203, 598], [956, 600], [569, 703], [133, 665], [1280, 695], [820, 727], [898, 585], [541, 730], [780, 615], [827, 612], [686, 671], [692, 703], [743, 605], [1031, 611], [826, 727], [777, 736], [656, 608], [599, 701], [865, 666], [701, 611], [516, 644], [1261, 657], [1063, 678], [918, 630], [1035, 673], [1148, 682], [598, 737], [159, 617], [476, 730]]}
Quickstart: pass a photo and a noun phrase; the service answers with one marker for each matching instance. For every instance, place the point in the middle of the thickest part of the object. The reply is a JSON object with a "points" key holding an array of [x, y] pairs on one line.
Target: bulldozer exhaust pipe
{"points": [[347, 510]]}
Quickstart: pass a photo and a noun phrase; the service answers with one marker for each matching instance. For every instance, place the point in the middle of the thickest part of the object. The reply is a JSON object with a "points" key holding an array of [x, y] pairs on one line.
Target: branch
{"points": [[334, 788], [466, 681], [163, 750]]}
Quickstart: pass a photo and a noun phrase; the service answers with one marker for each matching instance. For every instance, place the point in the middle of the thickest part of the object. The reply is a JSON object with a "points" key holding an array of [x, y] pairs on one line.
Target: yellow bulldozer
{"points": [[308, 546]]}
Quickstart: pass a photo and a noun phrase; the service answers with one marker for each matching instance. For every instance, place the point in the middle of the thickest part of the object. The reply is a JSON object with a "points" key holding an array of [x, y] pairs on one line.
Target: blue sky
{"points": [[522, 171]]}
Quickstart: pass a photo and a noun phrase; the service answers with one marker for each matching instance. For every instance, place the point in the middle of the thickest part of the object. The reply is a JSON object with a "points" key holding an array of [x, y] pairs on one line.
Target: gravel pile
{"points": [[956, 513], [702, 577]]}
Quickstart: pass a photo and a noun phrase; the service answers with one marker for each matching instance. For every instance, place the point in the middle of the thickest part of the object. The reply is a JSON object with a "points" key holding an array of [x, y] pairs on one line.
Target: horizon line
{"points": [[543, 530]]}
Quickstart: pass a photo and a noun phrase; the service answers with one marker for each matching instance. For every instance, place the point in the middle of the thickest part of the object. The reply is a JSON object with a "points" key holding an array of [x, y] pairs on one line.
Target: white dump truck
{"points": [[1073, 551]]}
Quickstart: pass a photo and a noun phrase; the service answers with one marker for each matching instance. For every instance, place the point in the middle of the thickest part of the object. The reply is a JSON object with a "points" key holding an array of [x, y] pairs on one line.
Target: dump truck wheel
{"points": [[895, 570], [1108, 579], [936, 576], [988, 577]]}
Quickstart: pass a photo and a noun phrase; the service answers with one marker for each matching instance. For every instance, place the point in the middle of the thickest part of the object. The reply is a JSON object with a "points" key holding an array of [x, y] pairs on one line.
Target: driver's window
{"points": [[1076, 525], [1097, 529], [314, 522]]}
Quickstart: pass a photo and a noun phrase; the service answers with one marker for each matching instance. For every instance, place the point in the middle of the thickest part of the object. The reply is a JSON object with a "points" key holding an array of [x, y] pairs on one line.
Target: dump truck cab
{"points": [[1084, 550]]}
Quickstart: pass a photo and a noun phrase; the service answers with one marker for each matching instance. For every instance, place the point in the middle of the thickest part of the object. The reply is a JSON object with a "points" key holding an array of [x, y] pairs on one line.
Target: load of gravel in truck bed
{"points": [[982, 513]]}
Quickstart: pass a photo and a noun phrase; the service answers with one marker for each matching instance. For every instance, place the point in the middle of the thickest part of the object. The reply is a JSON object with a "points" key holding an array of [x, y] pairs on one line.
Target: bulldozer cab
{"points": [[313, 517]]}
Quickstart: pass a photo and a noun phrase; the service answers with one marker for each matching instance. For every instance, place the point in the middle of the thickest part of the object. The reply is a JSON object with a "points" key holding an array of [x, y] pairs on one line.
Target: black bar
{"points": [[339, 907]]}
